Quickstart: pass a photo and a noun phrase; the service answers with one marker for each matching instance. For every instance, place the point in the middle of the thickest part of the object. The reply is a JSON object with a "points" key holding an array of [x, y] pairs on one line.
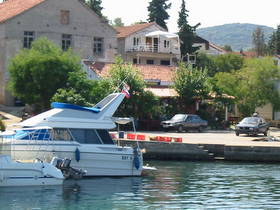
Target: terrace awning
{"points": [[162, 33]]}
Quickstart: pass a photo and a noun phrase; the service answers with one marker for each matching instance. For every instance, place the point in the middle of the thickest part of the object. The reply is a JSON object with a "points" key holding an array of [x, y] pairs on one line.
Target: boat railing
{"points": [[5, 148]]}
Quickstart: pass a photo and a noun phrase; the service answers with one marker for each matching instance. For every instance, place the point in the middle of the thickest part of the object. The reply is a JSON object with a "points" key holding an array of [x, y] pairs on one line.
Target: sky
{"points": [[207, 12]]}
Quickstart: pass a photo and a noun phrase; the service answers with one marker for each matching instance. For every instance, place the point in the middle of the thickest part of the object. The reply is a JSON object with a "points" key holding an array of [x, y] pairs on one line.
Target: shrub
{"points": [[2, 125]]}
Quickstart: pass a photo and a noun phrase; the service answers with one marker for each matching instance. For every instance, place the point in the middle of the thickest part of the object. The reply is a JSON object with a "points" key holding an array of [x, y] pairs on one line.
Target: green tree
{"points": [[95, 5], [37, 73], [219, 63], [141, 104], [274, 42], [252, 86], [227, 48], [191, 83], [258, 41], [186, 32], [117, 22], [76, 91], [228, 62], [157, 12], [138, 22]]}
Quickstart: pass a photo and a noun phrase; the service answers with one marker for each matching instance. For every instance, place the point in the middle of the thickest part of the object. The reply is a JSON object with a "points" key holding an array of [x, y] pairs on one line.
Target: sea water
{"points": [[175, 185]]}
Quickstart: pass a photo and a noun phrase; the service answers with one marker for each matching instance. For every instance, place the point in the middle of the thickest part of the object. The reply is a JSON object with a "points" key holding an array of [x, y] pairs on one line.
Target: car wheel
{"points": [[199, 129], [165, 129], [236, 133], [265, 133], [180, 129]]}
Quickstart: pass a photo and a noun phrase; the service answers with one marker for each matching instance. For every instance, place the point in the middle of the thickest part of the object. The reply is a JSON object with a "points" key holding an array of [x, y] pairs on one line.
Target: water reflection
{"points": [[182, 185]]}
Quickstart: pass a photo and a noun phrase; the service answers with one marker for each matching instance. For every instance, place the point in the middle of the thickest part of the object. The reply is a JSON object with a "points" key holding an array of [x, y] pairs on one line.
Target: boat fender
{"points": [[77, 154], [136, 159], [136, 162], [2, 177]]}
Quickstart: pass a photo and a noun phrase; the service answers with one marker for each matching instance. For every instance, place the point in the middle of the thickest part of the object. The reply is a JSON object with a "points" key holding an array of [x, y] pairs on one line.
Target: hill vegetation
{"points": [[237, 35]]}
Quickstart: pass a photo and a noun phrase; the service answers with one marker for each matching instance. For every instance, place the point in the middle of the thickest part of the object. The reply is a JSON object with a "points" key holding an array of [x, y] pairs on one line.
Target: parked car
{"points": [[252, 126], [184, 122]]}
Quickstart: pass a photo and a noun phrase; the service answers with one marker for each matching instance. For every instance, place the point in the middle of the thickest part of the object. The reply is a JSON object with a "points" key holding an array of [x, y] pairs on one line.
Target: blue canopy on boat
{"points": [[75, 107]]}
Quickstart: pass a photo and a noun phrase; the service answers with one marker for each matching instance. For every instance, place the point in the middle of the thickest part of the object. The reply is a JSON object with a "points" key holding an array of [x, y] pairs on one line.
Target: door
{"points": [[149, 44], [155, 45], [189, 122]]}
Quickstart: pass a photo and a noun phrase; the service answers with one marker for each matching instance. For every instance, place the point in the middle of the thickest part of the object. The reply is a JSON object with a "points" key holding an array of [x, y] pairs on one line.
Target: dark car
{"points": [[252, 126], [183, 122]]}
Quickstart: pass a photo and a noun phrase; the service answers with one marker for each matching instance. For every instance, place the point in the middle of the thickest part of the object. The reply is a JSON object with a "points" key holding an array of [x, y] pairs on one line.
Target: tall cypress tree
{"points": [[95, 5], [186, 32], [182, 15], [157, 12], [258, 41], [274, 42]]}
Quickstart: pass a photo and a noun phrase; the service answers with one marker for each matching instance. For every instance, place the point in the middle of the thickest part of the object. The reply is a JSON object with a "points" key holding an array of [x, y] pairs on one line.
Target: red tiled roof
{"points": [[149, 72], [163, 73], [247, 54], [217, 48], [128, 30], [11, 8]]}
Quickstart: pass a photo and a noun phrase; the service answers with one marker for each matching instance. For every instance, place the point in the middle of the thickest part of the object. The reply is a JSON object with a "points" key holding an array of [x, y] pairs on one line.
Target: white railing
{"points": [[153, 49], [144, 48]]}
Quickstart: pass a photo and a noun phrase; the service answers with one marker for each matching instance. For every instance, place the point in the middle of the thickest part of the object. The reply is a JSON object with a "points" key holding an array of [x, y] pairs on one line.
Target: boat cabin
{"points": [[82, 136]]}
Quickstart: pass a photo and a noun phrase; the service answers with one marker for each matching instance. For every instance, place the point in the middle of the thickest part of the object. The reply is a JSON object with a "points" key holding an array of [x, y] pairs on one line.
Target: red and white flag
{"points": [[125, 90]]}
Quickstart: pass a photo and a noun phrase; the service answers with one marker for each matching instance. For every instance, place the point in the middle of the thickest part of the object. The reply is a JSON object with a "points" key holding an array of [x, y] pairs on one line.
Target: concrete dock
{"points": [[209, 146]]}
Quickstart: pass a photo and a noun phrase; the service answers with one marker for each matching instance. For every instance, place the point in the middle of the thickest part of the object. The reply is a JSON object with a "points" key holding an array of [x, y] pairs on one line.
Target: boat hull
{"points": [[29, 181], [96, 160], [28, 174]]}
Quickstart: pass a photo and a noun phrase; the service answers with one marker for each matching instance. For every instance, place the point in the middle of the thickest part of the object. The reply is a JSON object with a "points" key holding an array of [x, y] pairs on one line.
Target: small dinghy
{"points": [[14, 173]]}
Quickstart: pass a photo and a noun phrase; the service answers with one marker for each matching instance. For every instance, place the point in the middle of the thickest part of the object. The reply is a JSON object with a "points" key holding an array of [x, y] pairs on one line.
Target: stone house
{"points": [[68, 23]]}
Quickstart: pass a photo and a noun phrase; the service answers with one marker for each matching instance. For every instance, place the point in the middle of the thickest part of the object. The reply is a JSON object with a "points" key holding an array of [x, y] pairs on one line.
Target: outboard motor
{"points": [[68, 171]]}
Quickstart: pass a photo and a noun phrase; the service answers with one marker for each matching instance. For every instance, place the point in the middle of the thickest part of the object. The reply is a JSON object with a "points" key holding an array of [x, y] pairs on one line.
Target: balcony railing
{"points": [[144, 48], [153, 49]]}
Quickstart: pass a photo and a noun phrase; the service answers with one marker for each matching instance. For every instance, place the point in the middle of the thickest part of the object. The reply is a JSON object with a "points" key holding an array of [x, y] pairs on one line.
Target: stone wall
{"points": [[45, 20]]}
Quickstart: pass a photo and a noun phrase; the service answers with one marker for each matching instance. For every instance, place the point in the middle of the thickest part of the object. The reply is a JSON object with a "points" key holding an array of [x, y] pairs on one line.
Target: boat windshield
{"points": [[83, 136], [5, 149], [30, 134], [91, 136]]}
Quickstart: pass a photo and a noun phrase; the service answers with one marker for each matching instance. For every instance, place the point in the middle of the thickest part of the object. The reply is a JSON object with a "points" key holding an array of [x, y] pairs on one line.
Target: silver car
{"points": [[252, 126], [184, 122]]}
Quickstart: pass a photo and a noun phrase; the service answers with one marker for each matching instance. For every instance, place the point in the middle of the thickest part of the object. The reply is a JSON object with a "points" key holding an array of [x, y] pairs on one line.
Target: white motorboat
{"points": [[28, 174], [78, 133]]}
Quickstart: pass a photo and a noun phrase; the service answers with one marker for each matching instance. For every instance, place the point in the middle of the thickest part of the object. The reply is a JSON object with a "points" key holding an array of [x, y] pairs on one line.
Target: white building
{"points": [[148, 43]]}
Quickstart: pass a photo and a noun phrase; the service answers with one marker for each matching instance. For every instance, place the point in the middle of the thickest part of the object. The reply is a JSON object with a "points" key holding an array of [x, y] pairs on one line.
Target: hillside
{"points": [[237, 35]]}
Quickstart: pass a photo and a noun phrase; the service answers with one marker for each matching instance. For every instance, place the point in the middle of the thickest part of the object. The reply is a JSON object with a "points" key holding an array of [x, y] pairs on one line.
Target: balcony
{"points": [[153, 49]]}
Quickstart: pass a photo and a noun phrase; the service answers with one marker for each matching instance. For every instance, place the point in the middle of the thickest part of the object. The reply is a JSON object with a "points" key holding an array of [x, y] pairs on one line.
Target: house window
{"points": [[66, 41], [98, 44], [135, 61], [28, 38], [64, 17], [166, 44], [136, 41], [150, 61], [165, 62]]}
